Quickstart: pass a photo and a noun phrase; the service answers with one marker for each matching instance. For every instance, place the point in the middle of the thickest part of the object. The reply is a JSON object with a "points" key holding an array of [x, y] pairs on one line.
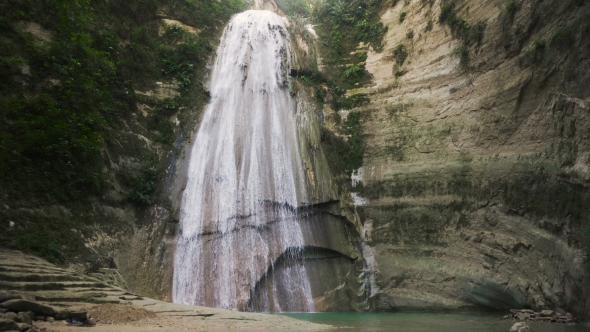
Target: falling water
{"points": [[245, 179]]}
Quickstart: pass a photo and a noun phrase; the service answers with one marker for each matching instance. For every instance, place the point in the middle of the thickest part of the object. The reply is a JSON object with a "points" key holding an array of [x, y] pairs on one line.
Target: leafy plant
{"points": [[354, 72], [462, 52], [510, 9], [402, 16], [145, 184], [400, 53]]}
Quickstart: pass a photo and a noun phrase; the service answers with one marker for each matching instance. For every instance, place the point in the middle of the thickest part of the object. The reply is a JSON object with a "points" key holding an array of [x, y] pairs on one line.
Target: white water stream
{"points": [[245, 178]]}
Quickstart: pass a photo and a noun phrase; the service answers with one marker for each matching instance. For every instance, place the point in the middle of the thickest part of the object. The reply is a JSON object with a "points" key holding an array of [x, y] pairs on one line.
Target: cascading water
{"points": [[245, 179]]}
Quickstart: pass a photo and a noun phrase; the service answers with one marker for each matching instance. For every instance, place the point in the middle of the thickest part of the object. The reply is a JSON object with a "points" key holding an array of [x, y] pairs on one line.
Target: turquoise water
{"points": [[425, 322]]}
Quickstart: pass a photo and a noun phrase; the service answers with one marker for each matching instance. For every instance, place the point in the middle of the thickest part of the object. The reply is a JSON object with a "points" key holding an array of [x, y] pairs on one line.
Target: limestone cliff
{"points": [[474, 186]]}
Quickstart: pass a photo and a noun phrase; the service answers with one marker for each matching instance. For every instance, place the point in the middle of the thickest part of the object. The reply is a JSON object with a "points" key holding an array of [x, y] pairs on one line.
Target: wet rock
{"points": [[520, 327], [546, 313], [62, 315], [10, 315], [523, 316], [25, 317], [23, 326], [24, 305], [7, 296], [8, 325]]}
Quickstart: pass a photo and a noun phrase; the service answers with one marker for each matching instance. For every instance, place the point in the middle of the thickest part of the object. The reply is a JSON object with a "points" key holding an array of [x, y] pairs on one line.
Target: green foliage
{"points": [[347, 155], [55, 119], [145, 184], [354, 72], [353, 153], [563, 38], [462, 52], [160, 121], [320, 94], [410, 34], [510, 9], [402, 16], [470, 34], [343, 25], [294, 7], [400, 54], [53, 240]]}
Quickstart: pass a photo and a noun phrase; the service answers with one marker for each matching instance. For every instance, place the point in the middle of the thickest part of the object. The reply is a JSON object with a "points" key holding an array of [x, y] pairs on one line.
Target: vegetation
{"points": [[400, 54], [343, 25], [402, 16], [68, 75], [294, 7], [563, 38], [346, 155], [462, 52], [509, 10], [470, 34], [144, 184]]}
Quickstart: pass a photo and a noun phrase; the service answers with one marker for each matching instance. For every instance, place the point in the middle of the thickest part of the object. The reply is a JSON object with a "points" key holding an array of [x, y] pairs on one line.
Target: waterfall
{"points": [[245, 180]]}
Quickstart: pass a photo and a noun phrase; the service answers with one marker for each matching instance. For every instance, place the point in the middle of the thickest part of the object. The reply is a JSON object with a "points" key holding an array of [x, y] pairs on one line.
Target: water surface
{"points": [[426, 322]]}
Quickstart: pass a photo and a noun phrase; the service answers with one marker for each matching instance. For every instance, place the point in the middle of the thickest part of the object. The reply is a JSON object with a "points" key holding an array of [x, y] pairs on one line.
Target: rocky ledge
{"points": [[549, 316], [36, 295]]}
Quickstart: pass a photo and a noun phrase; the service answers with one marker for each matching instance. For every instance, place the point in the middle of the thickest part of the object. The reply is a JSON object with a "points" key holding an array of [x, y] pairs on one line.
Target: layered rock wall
{"points": [[475, 178]]}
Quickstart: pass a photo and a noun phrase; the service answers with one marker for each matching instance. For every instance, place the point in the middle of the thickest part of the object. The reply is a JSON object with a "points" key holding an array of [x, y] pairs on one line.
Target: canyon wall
{"points": [[474, 187]]}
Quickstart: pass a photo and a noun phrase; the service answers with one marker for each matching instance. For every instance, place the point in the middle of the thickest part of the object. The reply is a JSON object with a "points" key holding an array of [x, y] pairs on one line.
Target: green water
{"points": [[424, 322]]}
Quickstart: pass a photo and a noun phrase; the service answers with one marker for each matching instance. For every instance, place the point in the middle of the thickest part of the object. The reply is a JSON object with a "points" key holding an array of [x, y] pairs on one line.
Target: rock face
{"points": [[476, 171], [24, 305], [520, 327]]}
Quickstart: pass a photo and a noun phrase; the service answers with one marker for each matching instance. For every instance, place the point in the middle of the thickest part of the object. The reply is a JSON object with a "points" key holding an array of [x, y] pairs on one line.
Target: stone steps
{"points": [[23, 277], [34, 279], [40, 286]]}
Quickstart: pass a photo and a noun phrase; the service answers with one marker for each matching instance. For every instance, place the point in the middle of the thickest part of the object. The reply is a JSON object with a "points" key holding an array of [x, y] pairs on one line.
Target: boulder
{"points": [[522, 316], [23, 326], [10, 315], [25, 317], [8, 325], [520, 327], [78, 315], [547, 313], [62, 315], [24, 305]]}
